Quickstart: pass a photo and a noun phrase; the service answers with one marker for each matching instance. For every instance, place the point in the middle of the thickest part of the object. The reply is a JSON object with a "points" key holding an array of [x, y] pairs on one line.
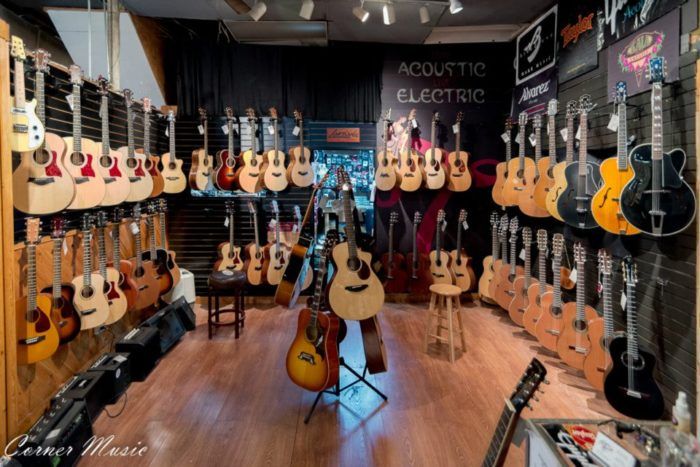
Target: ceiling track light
{"points": [[307, 9], [456, 6], [360, 13], [389, 14], [258, 10], [424, 14]]}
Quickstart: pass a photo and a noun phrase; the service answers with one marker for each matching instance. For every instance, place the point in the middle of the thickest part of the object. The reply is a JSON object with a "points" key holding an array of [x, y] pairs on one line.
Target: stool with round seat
{"points": [[226, 284], [444, 302]]}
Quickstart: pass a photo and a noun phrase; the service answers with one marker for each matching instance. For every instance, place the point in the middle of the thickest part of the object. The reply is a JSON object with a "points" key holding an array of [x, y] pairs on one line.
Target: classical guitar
{"points": [[509, 269], [548, 326], [79, 156], [657, 200], [312, 359], [171, 264], [275, 177], [141, 181], [300, 172], [521, 284], [174, 180], [152, 161], [202, 162], [502, 260], [410, 168], [251, 175], [539, 288], [225, 176], [308, 272], [535, 374], [546, 166], [229, 254], [158, 257], [458, 176], [558, 172], [418, 263], [63, 315], [434, 172], [115, 296], [502, 173], [126, 281], [27, 127], [526, 200], [111, 164], [40, 183], [574, 343], [258, 257], [440, 260], [629, 385], [376, 359], [515, 182], [279, 252], [144, 272], [462, 269], [37, 337], [89, 300], [489, 261], [354, 292], [394, 263], [385, 177]]}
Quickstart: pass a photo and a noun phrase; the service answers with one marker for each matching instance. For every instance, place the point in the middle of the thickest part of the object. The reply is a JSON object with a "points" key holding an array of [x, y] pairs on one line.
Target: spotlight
{"points": [[389, 14], [307, 8], [360, 13], [258, 10], [455, 6], [424, 15]]}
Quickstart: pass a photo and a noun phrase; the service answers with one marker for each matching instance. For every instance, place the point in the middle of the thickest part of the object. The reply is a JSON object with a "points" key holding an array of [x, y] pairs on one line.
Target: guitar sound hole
{"points": [[139, 272], [131, 162], [105, 161], [32, 316], [87, 292], [172, 166], [107, 288], [458, 163], [77, 158], [580, 325], [253, 162], [42, 157], [205, 162], [258, 255], [148, 164], [311, 334], [57, 303], [637, 364], [354, 264]]}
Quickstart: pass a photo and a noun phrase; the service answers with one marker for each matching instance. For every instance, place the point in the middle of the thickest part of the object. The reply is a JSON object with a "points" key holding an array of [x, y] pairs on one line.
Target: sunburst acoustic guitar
{"points": [[225, 175]]}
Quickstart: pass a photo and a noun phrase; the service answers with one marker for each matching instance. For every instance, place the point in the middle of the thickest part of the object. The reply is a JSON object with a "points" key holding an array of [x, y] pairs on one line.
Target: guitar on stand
{"points": [[229, 253], [202, 162], [258, 257], [419, 264], [174, 180], [300, 172], [279, 252], [489, 262], [462, 270], [394, 263], [275, 178], [385, 177], [440, 260], [225, 176]]}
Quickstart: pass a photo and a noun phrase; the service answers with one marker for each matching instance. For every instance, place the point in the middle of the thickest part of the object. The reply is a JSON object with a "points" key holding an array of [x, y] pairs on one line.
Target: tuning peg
{"points": [[529, 406], [545, 381], [535, 399]]}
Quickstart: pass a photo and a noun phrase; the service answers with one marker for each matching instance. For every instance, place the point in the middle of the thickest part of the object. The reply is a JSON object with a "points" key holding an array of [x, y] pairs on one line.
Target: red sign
{"points": [[342, 135]]}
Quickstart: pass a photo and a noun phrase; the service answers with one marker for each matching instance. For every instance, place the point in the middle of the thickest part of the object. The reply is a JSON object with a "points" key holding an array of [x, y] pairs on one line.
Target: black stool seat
{"points": [[226, 284], [227, 281]]}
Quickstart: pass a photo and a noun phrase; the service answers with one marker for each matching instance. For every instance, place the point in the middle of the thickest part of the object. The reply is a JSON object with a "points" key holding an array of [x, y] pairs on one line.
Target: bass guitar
{"points": [[275, 177], [258, 257], [110, 276], [174, 180], [141, 181], [526, 201], [538, 289], [27, 128], [126, 281], [521, 284], [509, 269], [434, 172], [657, 200], [546, 166], [489, 262], [385, 176], [462, 270], [89, 300], [158, 257], [354, 291], [252, 174], [515, 183], [440, 260], [300, 172], [202, 162], [394, 263], [229, 253], [37, 336], [40, 183], [629, 384], [151, 160], [279, 252], [410, 170], [502, 260], [558, 172], [164, 245], [548, 326], [225, 175], [502, 173], [144, 272], [419, 264], [111, 164], [458, 176]]}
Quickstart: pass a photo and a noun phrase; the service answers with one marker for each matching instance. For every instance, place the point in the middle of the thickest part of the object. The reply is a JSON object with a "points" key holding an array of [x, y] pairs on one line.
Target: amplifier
{"points": [[116, 373], [143, 346], [185, 313], [169, 326], [88, 387], [62, 431]]}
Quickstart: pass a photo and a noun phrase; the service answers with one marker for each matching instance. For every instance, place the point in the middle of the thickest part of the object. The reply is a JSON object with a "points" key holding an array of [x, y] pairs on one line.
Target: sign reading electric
{"points": [[441, 70], [537, 47]]}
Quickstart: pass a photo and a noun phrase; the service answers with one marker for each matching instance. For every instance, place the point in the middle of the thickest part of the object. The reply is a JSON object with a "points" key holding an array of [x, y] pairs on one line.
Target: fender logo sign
{"points": [[342, 135], [571, 32]]}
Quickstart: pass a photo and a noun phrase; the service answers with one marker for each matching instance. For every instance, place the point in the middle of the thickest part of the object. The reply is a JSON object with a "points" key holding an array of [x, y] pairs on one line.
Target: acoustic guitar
{"points": [[546, 166], [164, 245], [558, 172], [394, 263], [515, 182], [354, 291], [300, 172], [462, 270], [509, 270], [521, 284], [40, 183], [229, 254], [158, 257], [27, 127], [526, 200], [115, 296], [251, 175], [308, 272], [152, 161], [501, 261], [202, 162], [419, 263], [275, 177], [539, 288], [37, 337], [144, 272], [126, 281], [257, 257], [410, 169], [376, 359], [434, 171], [174, 180], [385, 177], [279, 252], [458, 176], [440, 260], [225, 175], [548, 326], [141, 181], [89, 300], [79, 156], [489, 262], [312, 359], [502, 173]]}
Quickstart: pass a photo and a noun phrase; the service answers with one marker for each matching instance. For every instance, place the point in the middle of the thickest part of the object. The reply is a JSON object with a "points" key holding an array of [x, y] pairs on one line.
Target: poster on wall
{"points": [[532, 96], [622, 17], [628, 59], [578, 48], [536, 47]]}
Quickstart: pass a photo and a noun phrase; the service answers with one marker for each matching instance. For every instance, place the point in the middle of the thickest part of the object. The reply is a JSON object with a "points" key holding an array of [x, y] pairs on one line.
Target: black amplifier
{"points": [[116, 374], [88, 387], [184, 311], [143, 346], [58, 437], [169, 326]]}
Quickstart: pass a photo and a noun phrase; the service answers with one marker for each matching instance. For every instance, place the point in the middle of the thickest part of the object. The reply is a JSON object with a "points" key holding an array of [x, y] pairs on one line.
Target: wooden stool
{"points": [[226, 284], [444, 302]]}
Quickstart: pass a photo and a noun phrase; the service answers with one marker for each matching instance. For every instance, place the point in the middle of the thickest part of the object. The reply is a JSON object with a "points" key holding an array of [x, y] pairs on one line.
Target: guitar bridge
{"points": [[307, 357], [633, 393], [356, 288], [43, 181], [79, 180], [110, 180], [32, 340], [88, 312], [553, 332]]}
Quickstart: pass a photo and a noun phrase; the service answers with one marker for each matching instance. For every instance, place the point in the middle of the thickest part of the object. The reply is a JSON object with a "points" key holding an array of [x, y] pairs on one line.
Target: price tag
{"points": [[444, 226], [563, 132], [110, 233], [65, 247], [69, 98], [522, 254], [200, 128], [599, 288], [167, 131], [224, 128], [505, 137], [533, 140], [373, 193], [414, 123], [517, 139], [578, 133], [295, 228], [465, 226], [623, 301], [573, 275], [609, 453], [271, 129], [614, 122], [226, 224], [296, 131], [273, 223], [134, 227], [455, 128], [549, 130]]}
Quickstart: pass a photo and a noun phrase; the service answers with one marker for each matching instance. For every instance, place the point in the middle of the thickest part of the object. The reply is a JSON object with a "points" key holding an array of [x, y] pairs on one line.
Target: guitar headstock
{"points": [[535, 374], [323, 180], [411, 115], [150, 208], [101, 219], [163, 205], [552, 107], [86, 222], [229, 113], [537, 121], [136, 212], [579, 254], [494, 219], [509, 125], [585, 104], [252, 208], [542, 240], [503, 228], [33, 226], [117, 215], [513, 229], [657, 70], [629, 270], [102, 86], [436, 117], [393, 218], [298, 117], [273, 113], [460, 117], [557, 245], [440, 216], [571, 109], [250, 113], [171, 116], [41, 60], [620, 94], [522, 121], [76, 75], [128, 97], [230, 209], [297, 213], [147, 105], [387, 115], [275, 207], [329, 242], [462, 215], [417, 218], [58, 227], [17, 49], [604, 262], [527, 235], [343, 179]]}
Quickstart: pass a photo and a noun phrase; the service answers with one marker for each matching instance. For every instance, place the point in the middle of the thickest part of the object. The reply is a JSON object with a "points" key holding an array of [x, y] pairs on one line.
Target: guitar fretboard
{"points": [[556, 281], [87, 257], [31, 277], [130, 131], [542, 269], [580, 290], [40, 100], [102, 252], [607, 308], [116, 247], [551, 128], [349, 225], [56, 283], [570, 137], [77, 129], [622, 136], [583, 151], [494, 242], [171, 134], [538, 149], [500, 437], [147, 133], [104, 113]]}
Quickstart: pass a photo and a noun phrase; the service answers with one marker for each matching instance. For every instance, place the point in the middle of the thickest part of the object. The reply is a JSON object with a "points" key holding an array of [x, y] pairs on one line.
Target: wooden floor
{"points": [[229, 402]]}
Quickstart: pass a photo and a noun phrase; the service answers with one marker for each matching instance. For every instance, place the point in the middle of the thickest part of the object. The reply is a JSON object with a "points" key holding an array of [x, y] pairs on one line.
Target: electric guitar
{"points": [[279, 252], [258, 257], [489, 261], [225, 177], [629, 385], [170, 263], [657, 200], [111, 163], [89, 300], [502, 173], [394, 263], [144, 272], [37, 337], [546, 166], [434, 171], [509, 269], [252, 174], [300, 172], [354, 291], [202, 162], [141, 181], [312, 359], [458, 178], [419, 263], [538, 288], [229, 253], [126, 281], [440, 260], [558, 172], [385, 175], [516, 182], [521, 284], [410, 170], [115, 296], [501, 261], [548, 326], [275, 177], [158, 257], [27, 128], [79, 156], [174, 180], [151, 160], [40, 183], [526, 200]]}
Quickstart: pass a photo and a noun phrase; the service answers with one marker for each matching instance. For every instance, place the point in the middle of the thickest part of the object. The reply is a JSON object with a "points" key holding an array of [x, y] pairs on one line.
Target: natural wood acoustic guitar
{"points": [[257, 257], [558, 172], [440, 260], [162, 207], [489, 262], [539, 288], [174, 180], [548, 326], [502, 173], [141, 181], [502, 260], [458, 176], [144, 272], [435, 172], [546, 165], [202, 162], [515, 182], [526, 201], [385, 176], [152, 161], [300, 171], [116, 299], [279, 252], [275, 177], [521, 284], [229, 253], [158, 257], [509, 269], [111, 164], [251, 174], [462, 270], [410, 170]]}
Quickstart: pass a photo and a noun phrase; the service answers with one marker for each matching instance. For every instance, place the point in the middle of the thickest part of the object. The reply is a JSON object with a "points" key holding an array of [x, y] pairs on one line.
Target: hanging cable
{"points": [[89, 10]]}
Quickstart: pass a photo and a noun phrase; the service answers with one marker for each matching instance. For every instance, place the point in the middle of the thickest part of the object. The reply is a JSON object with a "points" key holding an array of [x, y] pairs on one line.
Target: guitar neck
{"points": [[415, 248], [31, 277], [542, 266], [102, 254], [163, 232], [521, 149], [432, 141], [152, 236], [391, 244], [607, 308], [257, 234], [147, 133], [509, 147], [40, 96], [116, 247], [277, 230], [494, 243], [538, 146], [138, 246], [503, 433], [87, 257], [632, 336], [622, 136], [349, 225], [230, 231], [77, 129], [459, 243], [458, 139], [104, 108], [130, 131], [551, 127], [56, 283], [513, 248], [556, 281], [318, 291], [570, 137], [171, 134], [528, 265], [253, 137], [205, 124], [229, 124], [580, 291], [583, 145], [20, 98], [657, 143], [277, 139]]}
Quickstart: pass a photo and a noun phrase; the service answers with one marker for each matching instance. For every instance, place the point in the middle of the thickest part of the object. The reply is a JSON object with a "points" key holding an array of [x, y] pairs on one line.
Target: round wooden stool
{"points": [[226, 284], [444, 302]]}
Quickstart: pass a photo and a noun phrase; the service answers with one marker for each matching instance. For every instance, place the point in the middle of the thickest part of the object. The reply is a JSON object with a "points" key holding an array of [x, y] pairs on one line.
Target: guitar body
{"points": [[278, 262], [257, 264], [300, 173], [574, 344], [485, 280], [174, 180], [676, 202], [229, 258], [441, 273], [459, 178], [557, 188], [385, 176], [90, 188], [40, 183], [434, 171], [493, 283], [647, 403], [497, 189], [251, 176], [289, 287], [533, 312], [115, 297], [154, 172], [160, 266], [174, 269], [26, 117], [543, 184], [127, 284], [598, 361], [520, 302], [200, 172], [113, 171], [462, 271], [141, 181], [395, 274], [275, 177], [577, 213], [225, 177], [505, 291], [37, 338], [147, 284], [514, 184], [312, 361], [410, 172], [605, 204], [354, 294], [91, 304], [419, 285], [526, 201], [63, 315], [549, 326], [373, 344]]}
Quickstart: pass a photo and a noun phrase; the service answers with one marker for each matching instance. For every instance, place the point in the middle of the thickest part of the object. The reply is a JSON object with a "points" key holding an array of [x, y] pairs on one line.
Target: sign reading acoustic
{"points": [[342, 135]]}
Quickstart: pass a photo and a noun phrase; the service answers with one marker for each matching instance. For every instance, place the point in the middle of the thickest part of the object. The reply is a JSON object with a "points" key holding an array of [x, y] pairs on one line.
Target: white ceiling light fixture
{"points": [[424, 14], [307, 9], [456, 6], [360, 13], [389, 14], [258, 10]]}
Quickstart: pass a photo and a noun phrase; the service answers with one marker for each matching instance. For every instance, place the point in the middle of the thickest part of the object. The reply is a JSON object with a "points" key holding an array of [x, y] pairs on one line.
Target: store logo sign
{"points": [[571, 32], [635, 56]]}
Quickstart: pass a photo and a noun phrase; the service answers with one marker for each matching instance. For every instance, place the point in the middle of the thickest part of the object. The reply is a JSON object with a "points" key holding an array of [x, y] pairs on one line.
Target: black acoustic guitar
{"points": [[657, 200], [630, 386]]}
